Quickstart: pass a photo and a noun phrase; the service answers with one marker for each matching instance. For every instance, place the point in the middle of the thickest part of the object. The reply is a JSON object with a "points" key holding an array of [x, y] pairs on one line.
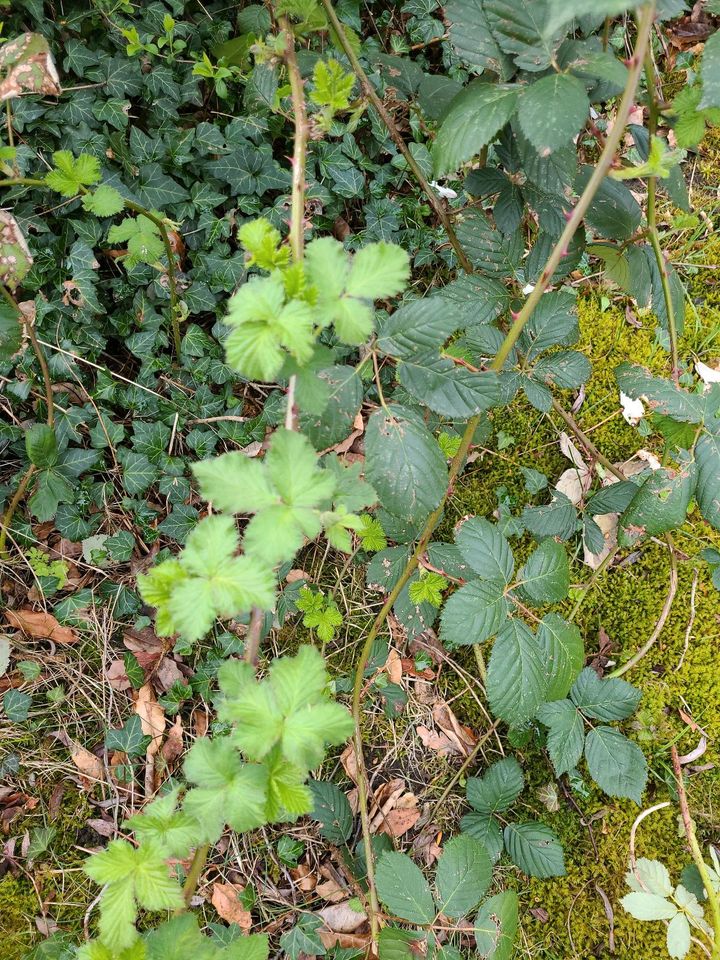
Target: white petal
{"points": [[445, 192], [528, 288], [707, 374]]}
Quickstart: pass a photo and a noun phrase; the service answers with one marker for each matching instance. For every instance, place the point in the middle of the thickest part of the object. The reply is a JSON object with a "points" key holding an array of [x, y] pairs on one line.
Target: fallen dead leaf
{"points": [[349, 762], [41, 626], [166, 674], [106, 828], [331, 890], [87, 763], [147, 647], [173, 746], [463, 737], [393, 667], [342, 918], [226, 900], [152, 717], [304, 878], [347, 941], [116, 676]]}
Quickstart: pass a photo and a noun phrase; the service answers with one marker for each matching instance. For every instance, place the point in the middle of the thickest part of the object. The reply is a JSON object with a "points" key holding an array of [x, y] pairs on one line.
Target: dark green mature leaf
{"points": [[707, 491], [563, 652], [386, 567], [477, 299], [610, 699], [404, 464], [472, 38], [474, 613], [615, 763], [553, 324], [10, 332], [464, 872], [660, 505], [562, 11], [418, 326], [496, 926], [535, 849], [497, 789], [447, 388], [552, 111], [435, 94], [403, 889], [475, 117], [331, 810], [613, 212], [485, 549], [516, 679], [567, 369], [555, 519], [662, 395], [710, 73], [41, 445], [521, 31], [566, 734], [129, 739], [485, 829], [612, 499], [397, 944], [545, 578], [489, 250]]}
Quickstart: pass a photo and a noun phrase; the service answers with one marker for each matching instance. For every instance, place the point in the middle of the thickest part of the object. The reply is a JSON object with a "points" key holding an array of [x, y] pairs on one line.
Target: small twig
{"points": [[12, 507], [664, 613], [688, 631]]}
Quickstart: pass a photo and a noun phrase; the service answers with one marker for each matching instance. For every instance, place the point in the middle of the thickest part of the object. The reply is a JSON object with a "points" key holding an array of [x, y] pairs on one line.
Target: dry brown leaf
{"points": [[147, 647], [173, 746], [117, 677], [304, 878], [226, 900], [331, 890], [295, 575], [348, 941], [106, 828], [393, 667], [399, 821], [349, 762], [87, 763], [436, 741], [41, 626], [166, 674], [458, 734], [342, 918], [152, 717], [28, 67]]}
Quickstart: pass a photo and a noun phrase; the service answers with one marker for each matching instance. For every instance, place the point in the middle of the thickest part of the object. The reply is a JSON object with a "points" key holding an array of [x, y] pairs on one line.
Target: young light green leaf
{"points": [[71, 174], [379, 270], [104, 201], [403, 889]]}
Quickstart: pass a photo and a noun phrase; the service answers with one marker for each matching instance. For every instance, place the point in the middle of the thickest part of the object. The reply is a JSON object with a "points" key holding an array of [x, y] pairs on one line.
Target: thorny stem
{"points": [[193, 876], [379, 106], [696, 851], [586, 441], [175, 309], [519, 321], [653, 234]]}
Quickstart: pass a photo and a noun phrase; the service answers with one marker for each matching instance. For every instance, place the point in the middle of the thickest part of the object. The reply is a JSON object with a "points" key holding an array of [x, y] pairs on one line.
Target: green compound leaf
{"points": [[616, 764], [447, 389], [516, 677], [535, 849], [476, 116], [134, 877], [403, 889], [485, 549], [497, 789], [404, 464], [71, 174], [464, 872], [563, 651], [474, 613], [707, 491], [552, 111], [610, 699], [496, 926], [545, 578], [171, 831], [566, 734], [661, 504]]}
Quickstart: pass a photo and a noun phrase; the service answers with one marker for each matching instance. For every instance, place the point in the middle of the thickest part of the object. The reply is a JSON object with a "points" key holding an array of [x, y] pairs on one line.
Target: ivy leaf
{"points": [[474, 613], [563, 650], [464, 872], [609, 699], [615, 763], [71, 174], [403, 889], [552, 111], [535, 849], [516, 679], [404, 464], [476, 116], [485, 549], [104, 201], [566, 734], [303, 939], [496, 926], [497, 789], [447, 389], [545, 578]]}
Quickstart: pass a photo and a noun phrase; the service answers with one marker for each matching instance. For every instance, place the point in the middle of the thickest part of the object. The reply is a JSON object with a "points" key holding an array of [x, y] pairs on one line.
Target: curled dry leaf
{"points": [[346, 941], [462, 737], [226, 900], [152, 717], [173, 746], [303, 877], [41, 626], [88, 764], [342, 917], [331, 890]]}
